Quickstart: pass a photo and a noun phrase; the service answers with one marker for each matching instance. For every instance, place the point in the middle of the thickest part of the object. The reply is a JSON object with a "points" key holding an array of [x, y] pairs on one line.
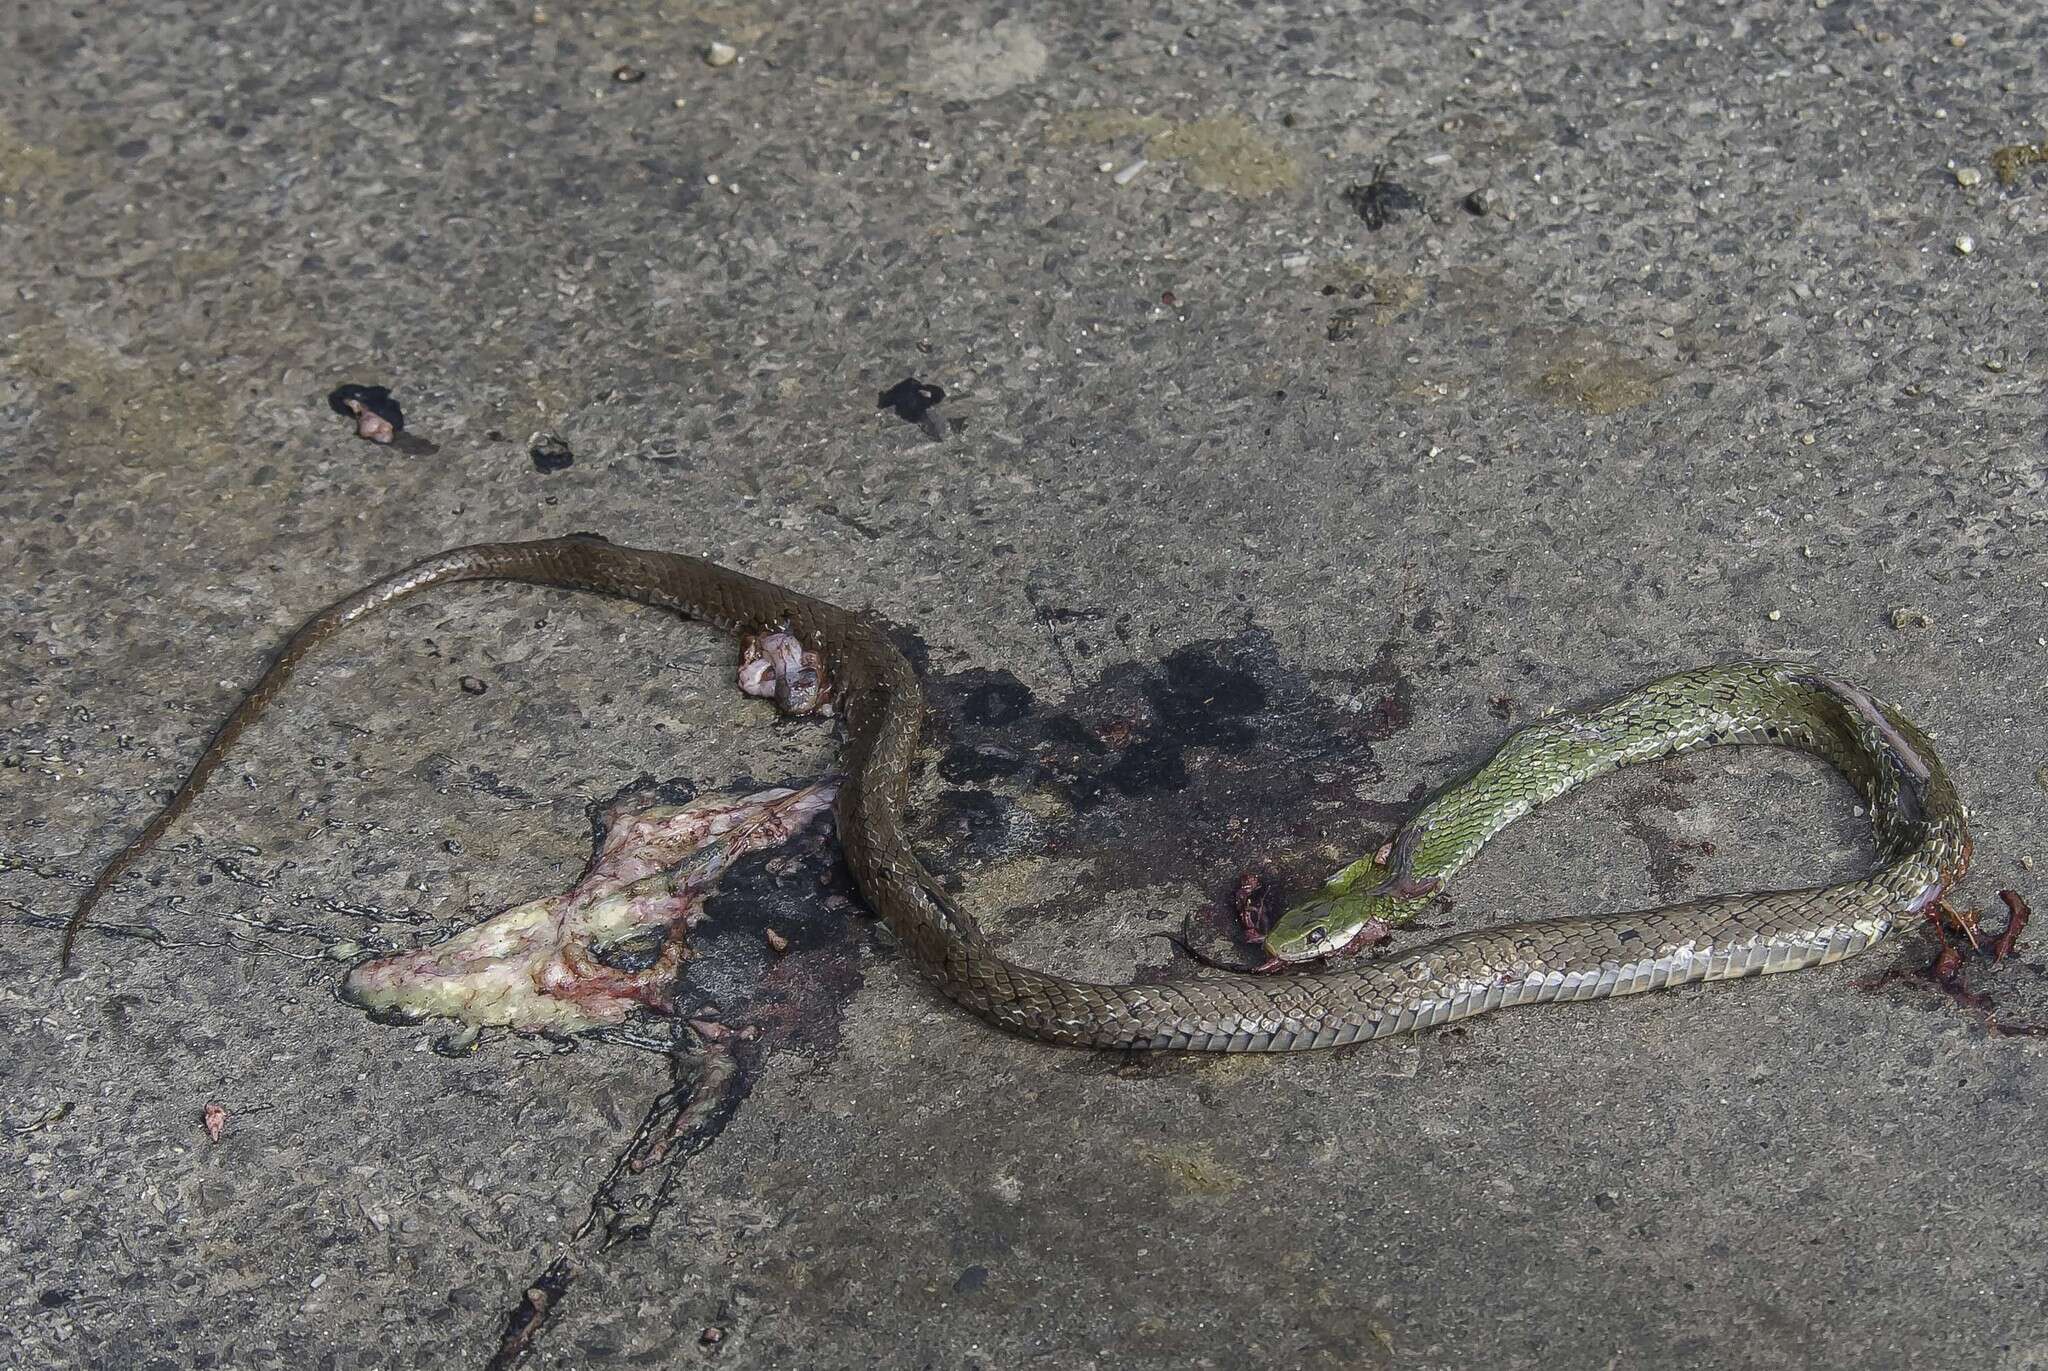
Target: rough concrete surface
{"points": [[1274, 479]]}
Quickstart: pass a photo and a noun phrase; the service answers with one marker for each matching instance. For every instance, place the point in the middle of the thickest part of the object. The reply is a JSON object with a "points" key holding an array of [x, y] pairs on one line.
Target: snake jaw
{"points": [[1371, 933]]}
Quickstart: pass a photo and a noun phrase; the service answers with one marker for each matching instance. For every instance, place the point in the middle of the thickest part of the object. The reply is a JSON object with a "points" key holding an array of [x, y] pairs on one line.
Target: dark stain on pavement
{"points": [[1218, 756]]}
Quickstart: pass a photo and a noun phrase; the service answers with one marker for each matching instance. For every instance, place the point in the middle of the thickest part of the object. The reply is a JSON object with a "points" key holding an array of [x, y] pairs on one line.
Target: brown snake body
{"points": [[1920, 824]]}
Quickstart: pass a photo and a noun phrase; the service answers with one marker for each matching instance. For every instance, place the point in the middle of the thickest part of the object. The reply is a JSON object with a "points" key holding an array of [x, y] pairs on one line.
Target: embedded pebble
{"points": [[1968, 176], [721, 55], [1965, 244]]}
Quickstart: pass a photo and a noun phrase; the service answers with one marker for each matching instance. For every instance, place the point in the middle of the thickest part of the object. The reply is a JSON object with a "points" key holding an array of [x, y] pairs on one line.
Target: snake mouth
{"points": [[1371, 933], [1356, 944]]}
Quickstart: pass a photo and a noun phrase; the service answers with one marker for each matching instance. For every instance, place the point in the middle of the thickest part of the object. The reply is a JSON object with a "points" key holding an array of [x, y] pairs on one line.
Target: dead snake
{"points": [[1920, 825]]}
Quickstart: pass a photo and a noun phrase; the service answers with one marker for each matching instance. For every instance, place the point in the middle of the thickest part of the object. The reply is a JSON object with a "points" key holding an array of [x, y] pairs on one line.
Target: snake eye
{"points": [[1316, 935]]}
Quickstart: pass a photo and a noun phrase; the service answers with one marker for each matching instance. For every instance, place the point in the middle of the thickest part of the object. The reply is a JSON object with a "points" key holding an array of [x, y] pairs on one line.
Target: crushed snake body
{"points": [[1920, 825]]}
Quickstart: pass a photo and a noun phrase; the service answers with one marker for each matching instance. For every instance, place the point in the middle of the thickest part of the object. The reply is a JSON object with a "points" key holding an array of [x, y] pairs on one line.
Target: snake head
{"points": [[1328, 921], [1354, 908], [1303, 933]]}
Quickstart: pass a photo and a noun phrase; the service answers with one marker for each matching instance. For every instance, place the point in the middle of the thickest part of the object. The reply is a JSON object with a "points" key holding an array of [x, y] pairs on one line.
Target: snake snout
{"points": [[1302, 935]]}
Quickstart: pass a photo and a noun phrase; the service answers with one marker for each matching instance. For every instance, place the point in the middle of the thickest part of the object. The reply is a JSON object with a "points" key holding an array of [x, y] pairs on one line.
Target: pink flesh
{"points": [[534, 966], [777, 666]]}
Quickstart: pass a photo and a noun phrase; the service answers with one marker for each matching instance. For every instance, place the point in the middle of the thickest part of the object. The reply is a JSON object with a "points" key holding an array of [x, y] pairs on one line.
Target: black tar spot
{"points": [[911, 399]]}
